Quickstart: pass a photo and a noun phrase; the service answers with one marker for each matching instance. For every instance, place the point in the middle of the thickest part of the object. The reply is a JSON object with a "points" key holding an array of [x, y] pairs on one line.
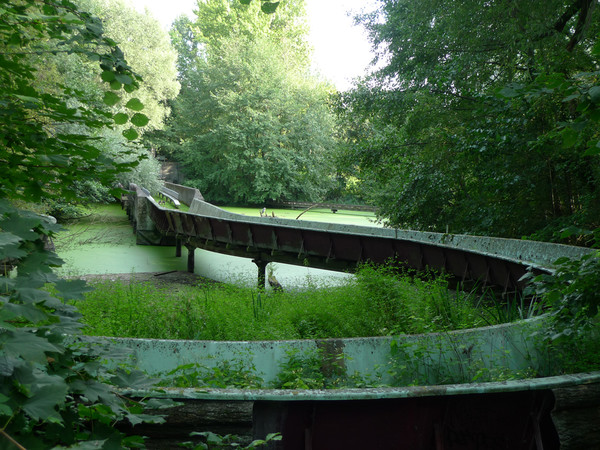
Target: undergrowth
{"points": [[379, 301]]}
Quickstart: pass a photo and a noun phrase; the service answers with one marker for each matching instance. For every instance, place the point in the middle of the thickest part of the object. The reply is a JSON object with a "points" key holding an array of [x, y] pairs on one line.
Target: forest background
{"points": [[483, 118], [479, 119]]}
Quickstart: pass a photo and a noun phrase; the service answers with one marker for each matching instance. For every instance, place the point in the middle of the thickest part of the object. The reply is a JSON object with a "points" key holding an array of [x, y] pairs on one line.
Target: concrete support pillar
{"points": [[190, 261], [177, 247], [262, 272]]}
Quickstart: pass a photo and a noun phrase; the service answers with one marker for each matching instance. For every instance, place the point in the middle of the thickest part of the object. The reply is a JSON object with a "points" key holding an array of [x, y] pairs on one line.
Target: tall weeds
{"points": [[378, 301]]}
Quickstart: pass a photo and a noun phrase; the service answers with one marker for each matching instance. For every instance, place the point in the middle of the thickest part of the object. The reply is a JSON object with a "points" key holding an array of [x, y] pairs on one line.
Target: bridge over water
{"points": [[490, 261]]}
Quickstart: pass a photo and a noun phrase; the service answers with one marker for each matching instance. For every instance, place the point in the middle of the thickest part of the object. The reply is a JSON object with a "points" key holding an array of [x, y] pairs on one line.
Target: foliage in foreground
{"points": [[573, 293], [216, 441], [54, 390]]}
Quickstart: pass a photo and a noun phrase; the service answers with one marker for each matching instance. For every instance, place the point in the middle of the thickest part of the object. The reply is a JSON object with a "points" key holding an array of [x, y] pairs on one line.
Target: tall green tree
{"points": [[448, 142], [252, 124], [148, 48]]}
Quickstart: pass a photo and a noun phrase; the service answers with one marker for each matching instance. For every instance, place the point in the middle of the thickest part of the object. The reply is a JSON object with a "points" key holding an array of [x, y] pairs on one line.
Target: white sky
{"points": [[341, 50]]}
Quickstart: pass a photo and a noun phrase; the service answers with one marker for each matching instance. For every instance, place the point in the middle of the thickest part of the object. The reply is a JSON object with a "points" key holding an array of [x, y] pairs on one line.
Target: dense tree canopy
{"points": [[250, 124], [474, 121], [141, 40], [148, 48]]}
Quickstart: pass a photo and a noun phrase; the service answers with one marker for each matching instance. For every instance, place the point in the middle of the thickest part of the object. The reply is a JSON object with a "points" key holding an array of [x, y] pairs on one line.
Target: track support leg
{"points": [[262, 272], [190, 261]]}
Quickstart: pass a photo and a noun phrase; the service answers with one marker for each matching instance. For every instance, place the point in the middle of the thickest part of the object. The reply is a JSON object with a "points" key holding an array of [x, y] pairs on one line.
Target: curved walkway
{"points": [[489, 261]]}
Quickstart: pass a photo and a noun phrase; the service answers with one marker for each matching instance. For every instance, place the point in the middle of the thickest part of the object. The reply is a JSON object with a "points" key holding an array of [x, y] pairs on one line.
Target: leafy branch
{"points": [[54, 391]]}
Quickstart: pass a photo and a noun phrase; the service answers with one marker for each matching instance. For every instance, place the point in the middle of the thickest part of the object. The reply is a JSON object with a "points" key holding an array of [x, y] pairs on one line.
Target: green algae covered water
{"points": [[362, 218], [103, 242]]}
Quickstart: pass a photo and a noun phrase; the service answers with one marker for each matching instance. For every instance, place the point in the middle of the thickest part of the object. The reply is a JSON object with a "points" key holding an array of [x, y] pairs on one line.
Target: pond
{"points": [[104, 242]]}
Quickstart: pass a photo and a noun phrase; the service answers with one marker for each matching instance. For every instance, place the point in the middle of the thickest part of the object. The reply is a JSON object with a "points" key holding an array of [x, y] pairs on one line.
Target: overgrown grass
{"points": [[377, 302]]}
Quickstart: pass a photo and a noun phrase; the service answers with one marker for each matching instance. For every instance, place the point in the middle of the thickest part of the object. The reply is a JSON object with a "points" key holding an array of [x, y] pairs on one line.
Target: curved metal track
{"points": [[334, 247]]}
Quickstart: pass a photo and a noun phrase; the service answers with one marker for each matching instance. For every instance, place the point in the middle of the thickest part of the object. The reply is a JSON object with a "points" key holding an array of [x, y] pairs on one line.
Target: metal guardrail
{"points": [[170, 194]]}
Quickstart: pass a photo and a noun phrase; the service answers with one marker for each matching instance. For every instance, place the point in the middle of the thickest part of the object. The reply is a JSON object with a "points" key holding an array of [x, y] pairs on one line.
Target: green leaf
{"points": [[134, 442], [123, 78], [135, 104], [594, 94], [90, 389], [107, 76], [33, 295], [28, 312], [593, 151], [269, 7], [8, 239], [120, 118], [27, 345], [11, 251], [5, 410], [136, 379], [31, 100], [594, 114], [139, 120], [22, 227], [596, 48], [569, 138], [7, 365], [245, 2], [508, 92], [110, 98], [571, 97], [15, 39], [45, 399], [144, 418], [72, 289], [130, 134], [115, 85], [129, 88]]}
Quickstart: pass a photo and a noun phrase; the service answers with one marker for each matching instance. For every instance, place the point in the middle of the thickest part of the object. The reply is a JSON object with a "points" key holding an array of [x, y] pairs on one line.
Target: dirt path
{"points": [[174, 277]]}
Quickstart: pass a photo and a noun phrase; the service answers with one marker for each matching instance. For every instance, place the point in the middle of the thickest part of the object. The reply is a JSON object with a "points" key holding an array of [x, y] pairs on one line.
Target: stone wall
{"points": [[169, 171]]}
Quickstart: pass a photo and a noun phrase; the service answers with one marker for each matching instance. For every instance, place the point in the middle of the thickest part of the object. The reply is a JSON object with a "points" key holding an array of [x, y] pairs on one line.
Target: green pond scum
{"points": [[102, 240]]}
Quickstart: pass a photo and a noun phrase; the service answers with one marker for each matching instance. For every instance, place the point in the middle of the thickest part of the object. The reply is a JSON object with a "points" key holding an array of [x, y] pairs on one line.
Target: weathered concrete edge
{"points": [[186, 194], [505, 346], [555, 382]]}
